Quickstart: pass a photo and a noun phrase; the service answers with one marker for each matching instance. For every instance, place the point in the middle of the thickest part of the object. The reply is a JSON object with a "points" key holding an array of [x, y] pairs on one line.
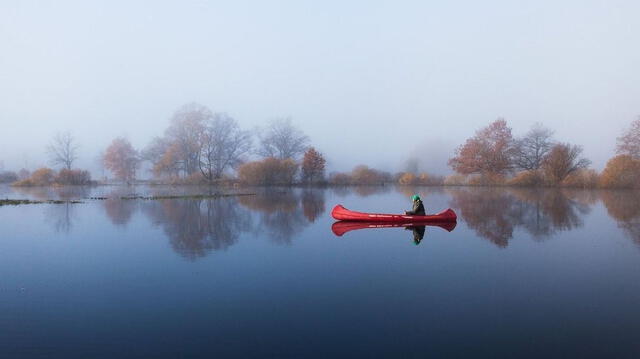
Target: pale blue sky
{"points": [[369, 81]]}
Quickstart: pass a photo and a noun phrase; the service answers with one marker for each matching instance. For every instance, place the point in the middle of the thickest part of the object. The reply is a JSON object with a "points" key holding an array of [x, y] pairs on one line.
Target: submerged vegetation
{"points": [[16, 202]]}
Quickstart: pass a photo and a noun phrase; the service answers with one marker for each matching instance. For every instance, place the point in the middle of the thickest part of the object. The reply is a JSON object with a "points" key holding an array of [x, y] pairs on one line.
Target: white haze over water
{"points": [[370, 82]]}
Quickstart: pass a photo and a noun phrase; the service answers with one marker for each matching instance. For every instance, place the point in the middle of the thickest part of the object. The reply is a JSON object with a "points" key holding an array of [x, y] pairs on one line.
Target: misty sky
{"points": [[369, 81]]}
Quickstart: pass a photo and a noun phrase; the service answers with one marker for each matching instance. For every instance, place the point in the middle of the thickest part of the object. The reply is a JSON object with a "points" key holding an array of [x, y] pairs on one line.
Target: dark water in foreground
{"points": [[524, 274]]}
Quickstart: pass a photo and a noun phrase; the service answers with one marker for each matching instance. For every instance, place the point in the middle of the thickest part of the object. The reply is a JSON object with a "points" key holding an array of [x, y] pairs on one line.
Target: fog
{"points": [[369, 82]]}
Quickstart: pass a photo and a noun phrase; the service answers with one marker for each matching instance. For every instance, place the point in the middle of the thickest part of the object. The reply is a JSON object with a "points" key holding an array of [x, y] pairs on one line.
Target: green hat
{"points": [[415, 197]]}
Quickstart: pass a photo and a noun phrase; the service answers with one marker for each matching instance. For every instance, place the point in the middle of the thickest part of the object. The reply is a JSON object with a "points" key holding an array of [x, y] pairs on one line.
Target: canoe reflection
{"points": [[341, 227]]}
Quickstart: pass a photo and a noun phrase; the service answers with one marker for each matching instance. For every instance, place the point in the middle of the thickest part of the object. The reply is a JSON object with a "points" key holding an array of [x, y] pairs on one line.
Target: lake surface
{"points": [[525, 273]]}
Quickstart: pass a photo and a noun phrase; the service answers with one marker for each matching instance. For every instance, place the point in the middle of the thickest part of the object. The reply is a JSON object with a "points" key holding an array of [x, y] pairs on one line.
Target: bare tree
{"points": [[282, 140], [533, 147], [629, 142], [184, 134], [222, 146], [62, 150]]}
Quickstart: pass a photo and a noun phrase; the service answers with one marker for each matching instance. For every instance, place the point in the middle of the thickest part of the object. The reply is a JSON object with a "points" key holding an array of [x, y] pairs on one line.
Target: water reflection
{"points": [[61, 216], [197, 227], [495, 213], [418, 230], [624, 207], [64, 193], [119, 211], [418, 233], [313, 205], [281, 215]]}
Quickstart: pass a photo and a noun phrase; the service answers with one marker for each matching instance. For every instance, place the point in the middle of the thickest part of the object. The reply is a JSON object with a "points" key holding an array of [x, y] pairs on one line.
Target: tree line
{"points": [[200, 146], [493, 156]]}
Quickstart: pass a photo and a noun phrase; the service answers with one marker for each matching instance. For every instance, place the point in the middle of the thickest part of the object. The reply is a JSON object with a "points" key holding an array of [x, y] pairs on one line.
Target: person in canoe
{"points": [[418, 207]]}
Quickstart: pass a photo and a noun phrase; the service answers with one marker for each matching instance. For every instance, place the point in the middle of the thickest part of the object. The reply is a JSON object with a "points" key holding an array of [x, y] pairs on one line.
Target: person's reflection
{"points": [[418, 233]]}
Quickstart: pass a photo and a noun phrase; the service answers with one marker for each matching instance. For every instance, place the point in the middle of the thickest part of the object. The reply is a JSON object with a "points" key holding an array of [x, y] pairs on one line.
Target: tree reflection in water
{"points": [[196, 227], [281, 215], [120, 211], [624, 207], [313, 203], [494, 213], [61, 216]]}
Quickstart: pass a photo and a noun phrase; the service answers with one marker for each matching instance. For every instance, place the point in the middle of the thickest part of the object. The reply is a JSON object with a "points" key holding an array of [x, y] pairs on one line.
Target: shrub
{"points": [[487, 179], [407, 178], [369, 176], [622, 171], [585, 178], [73, 177], [270, 171], [8, 177], [527, 179], [339, 179], [455, 180], [40, 177]]}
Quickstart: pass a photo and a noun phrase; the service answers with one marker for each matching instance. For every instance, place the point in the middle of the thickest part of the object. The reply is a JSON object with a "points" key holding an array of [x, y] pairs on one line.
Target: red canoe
{"points": [[343, 214], [341, 227]]}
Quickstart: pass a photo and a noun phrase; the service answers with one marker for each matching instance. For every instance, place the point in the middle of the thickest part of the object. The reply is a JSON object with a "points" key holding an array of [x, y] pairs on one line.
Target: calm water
{"points": [[524, 274]]}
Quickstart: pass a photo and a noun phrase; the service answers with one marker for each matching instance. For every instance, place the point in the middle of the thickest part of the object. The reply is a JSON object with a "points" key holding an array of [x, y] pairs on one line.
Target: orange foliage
{"points": [[622, 171], [584, 178], [40, 177], [563, 160], [491, 150], [527, 179], [121, 159], [313, 166], [407, 178], [368, 176], [270, 171]]}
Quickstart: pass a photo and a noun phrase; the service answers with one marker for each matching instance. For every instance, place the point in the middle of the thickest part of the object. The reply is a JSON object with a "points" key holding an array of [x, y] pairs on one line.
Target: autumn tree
{"points": [[184, 134], [163, 156], [222, 146], [562, 160], [63, 150], [313, 165], [122, 159], [530, 150], [281, 139], [629, 142], [489, 152], [622, 171]]}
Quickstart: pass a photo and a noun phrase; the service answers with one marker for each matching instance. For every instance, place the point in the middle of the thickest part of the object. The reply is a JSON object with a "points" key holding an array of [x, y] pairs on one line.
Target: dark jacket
{"points": [[417, 210], [418, 233]]}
